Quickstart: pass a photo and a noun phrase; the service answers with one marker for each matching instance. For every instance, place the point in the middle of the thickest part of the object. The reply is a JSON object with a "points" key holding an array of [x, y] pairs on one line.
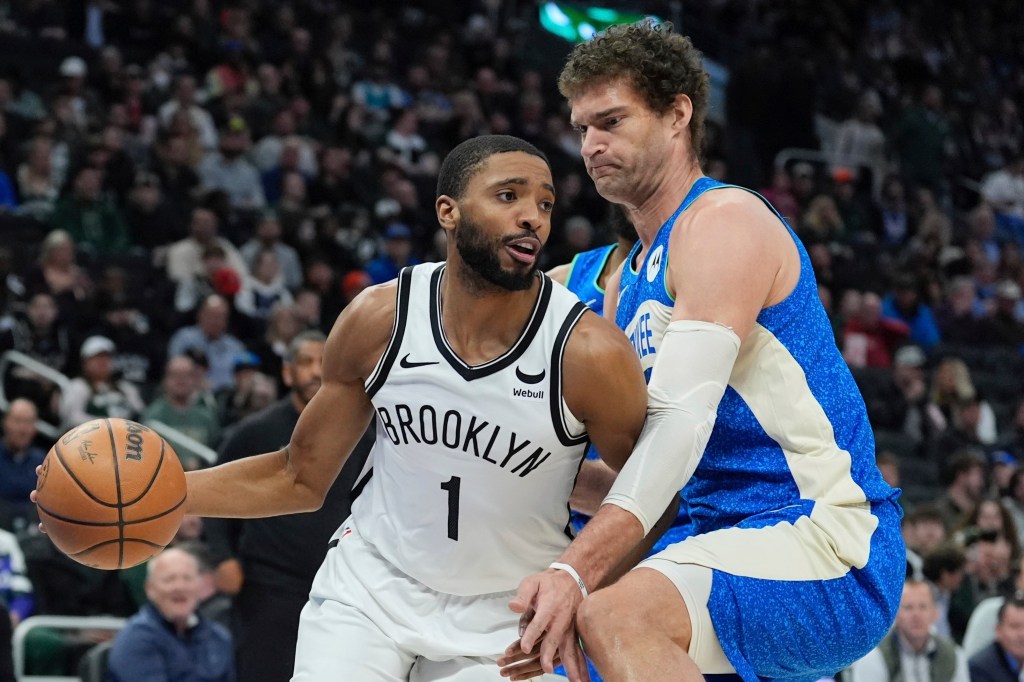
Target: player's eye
{"points": [[507, 195], [547, 206], [580, 130], [613, 121]]}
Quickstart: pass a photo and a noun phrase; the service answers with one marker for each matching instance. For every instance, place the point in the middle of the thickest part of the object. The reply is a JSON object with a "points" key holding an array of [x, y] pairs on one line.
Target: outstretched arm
{"points": [[297, 477]]}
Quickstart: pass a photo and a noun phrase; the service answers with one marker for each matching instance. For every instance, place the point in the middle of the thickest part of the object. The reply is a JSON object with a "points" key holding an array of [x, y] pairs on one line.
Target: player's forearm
{"points": [[252, 487], [603, 544]]}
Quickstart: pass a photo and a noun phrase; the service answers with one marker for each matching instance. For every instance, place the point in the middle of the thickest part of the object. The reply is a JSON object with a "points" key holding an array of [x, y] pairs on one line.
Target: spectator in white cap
{"points": [[97, 393], [84, 105]]}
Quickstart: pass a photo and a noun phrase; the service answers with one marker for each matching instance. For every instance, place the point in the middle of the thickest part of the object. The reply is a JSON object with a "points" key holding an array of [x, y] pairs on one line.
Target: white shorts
{"points": [[368, 621], [694, 585]]}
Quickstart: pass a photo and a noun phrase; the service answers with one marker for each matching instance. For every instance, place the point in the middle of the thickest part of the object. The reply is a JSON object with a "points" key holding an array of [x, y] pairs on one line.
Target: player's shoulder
{"points": [[733, 214], [362, 331], [595, 340]]}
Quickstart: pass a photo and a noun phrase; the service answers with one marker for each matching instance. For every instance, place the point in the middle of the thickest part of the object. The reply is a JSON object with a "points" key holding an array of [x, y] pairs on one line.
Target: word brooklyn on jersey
{"points": [[455, 431]]}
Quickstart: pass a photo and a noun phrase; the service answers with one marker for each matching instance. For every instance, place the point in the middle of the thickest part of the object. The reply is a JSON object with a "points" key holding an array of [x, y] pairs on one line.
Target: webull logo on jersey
{"points": [[527, 393], [503, 447]]}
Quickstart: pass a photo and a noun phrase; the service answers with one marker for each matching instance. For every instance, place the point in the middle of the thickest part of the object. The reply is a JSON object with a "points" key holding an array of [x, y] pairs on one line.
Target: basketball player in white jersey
{"points": [[486, 381]]}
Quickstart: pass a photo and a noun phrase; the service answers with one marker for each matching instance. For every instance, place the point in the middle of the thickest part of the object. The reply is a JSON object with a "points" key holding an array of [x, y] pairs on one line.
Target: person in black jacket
{"points": [[1001, 661], [269, 563]]}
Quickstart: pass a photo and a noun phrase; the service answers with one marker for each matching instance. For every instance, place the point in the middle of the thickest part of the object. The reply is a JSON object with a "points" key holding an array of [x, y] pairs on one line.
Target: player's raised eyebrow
{"points": [[522, 181]]}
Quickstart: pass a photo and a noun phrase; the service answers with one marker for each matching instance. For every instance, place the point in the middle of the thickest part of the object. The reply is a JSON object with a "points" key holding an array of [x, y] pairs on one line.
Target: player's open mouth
{"points": [[524, 250]]}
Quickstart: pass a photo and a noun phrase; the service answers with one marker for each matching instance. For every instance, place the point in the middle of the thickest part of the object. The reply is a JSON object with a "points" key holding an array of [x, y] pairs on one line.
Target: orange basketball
{"points": [[111, 493]]}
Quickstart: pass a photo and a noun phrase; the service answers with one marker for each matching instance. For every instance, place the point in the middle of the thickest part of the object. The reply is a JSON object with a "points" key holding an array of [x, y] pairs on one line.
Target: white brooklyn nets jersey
{"points": [[467, 486]]}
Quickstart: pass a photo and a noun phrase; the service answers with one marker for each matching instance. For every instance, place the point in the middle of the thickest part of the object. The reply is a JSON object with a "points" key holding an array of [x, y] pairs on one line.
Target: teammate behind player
{"points": [[486, 381], [795, 563]]}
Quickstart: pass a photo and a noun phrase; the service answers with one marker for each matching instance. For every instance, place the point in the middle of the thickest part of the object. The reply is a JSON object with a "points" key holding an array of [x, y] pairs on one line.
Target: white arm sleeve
{"points": [[688, 381]]}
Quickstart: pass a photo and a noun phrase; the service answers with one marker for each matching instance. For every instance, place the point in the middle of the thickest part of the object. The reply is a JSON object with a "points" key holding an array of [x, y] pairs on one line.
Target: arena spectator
{"points": [[59, 274], [944, 568], [912, 650], [210, 336], [185, 257], [167, 640], [98, 392], [905, 304], [869, 337], [397, 254], [229, 171], [19, 457], [268, 238], [177, 407], [185, 101], [92, 220], [1002, 659]]}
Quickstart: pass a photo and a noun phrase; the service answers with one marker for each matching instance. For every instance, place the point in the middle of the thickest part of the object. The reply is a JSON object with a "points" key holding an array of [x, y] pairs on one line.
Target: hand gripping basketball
{"points": [[111, 493]]}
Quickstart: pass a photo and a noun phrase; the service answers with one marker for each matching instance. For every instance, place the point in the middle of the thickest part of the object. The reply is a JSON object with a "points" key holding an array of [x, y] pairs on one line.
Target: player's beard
{"points": [[481, 255]]}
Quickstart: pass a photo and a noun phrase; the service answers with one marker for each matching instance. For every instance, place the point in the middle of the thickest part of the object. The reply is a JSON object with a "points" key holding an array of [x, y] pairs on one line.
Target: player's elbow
{"points": [[309, 497], [306, 490]]}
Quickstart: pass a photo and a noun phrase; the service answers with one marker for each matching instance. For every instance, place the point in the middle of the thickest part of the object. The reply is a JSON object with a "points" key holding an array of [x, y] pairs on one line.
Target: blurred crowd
{"points": [[185, 187]]}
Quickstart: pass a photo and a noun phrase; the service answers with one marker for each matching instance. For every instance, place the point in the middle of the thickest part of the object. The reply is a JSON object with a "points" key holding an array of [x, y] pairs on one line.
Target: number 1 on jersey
{"points": [[451, 486]]}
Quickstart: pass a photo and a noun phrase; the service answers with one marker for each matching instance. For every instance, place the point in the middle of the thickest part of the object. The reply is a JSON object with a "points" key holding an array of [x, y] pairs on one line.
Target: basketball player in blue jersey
{"points": [[485, 381], [794, 564]]}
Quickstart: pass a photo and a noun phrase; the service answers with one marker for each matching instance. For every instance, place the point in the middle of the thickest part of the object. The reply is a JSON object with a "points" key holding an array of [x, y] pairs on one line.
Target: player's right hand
{"points": [[553, 597]]}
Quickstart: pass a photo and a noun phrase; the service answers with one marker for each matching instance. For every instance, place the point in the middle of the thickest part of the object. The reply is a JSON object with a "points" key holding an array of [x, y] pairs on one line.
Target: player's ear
{"points": [[286, 375], [447, 212], [682, 111]]}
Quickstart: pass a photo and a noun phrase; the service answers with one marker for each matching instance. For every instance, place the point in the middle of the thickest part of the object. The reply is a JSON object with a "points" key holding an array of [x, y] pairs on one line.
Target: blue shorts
{"points": [[829, 624]]}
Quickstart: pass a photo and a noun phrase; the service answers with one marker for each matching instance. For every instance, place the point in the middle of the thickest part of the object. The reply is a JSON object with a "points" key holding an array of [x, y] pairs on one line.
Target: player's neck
{"points": [[669, 193], [481, 324]]}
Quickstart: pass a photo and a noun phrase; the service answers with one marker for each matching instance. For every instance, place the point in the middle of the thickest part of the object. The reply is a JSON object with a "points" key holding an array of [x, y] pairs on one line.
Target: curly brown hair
{"points": [[659, 64]]}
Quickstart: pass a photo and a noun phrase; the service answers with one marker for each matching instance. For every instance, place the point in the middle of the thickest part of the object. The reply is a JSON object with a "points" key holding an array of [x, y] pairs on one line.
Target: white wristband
{"points": [[575, 576]]}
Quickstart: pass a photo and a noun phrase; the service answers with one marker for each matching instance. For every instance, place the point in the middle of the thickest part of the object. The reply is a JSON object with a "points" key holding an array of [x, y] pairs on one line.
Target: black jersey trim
{"points": [[471, 372], [380, 375], [557, 357], [357, 489]]}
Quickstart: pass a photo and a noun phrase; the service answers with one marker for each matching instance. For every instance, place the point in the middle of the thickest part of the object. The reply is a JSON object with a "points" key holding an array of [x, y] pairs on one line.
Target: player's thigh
{"points": [[692, 584], [337, 641], [464, 669], [642, 599]]}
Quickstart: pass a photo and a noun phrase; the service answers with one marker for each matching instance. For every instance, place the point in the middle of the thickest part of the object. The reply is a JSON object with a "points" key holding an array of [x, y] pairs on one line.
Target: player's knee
{"points": [[627, 610], [607, 613]]}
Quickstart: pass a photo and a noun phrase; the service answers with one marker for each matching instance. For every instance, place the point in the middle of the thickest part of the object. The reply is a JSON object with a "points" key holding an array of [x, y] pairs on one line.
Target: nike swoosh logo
{"points": [[530, 378], [407, 364]]}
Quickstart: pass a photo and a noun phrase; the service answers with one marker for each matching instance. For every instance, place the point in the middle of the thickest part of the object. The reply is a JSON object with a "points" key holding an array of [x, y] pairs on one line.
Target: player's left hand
{"points": [[549, 601], [516, 664]]}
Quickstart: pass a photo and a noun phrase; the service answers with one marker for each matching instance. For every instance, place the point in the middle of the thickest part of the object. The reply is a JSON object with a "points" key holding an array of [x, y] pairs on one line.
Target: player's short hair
{"points": [[463, 162], [658, 63], [310, 335]]}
